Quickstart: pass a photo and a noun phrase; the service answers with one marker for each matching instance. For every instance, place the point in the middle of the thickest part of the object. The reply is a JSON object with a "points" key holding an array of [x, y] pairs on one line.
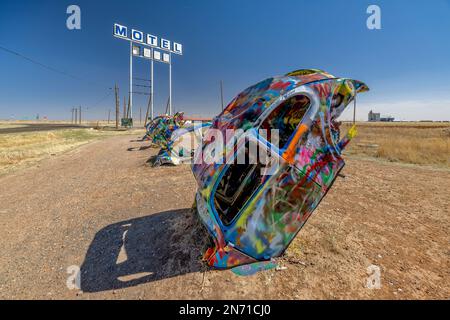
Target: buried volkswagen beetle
{"points": [[176, 136], [253, 210]]}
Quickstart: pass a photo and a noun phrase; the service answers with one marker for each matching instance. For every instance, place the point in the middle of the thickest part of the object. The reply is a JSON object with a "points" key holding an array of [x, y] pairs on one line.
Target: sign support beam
{"points": [[170, 84], [151, 87], [131, 79]]}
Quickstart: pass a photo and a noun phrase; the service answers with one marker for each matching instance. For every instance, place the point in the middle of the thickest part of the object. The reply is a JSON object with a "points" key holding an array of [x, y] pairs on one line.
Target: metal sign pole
{"points": [[151, 87], [131, 79], [170, 84]]}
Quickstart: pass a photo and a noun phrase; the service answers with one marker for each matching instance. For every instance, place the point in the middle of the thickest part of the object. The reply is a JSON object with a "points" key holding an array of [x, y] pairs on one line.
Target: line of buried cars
{"points": [[253, 211]]}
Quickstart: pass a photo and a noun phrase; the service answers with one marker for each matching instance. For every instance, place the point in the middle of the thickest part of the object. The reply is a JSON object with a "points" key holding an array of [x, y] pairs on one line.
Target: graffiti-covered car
{"points": [[160, 129], [253, 210]]}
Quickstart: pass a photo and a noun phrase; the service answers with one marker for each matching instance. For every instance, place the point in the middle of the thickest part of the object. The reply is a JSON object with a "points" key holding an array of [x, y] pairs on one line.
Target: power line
{"points": [[45, 66], [102, 99], [39, 63], [55, 70]]}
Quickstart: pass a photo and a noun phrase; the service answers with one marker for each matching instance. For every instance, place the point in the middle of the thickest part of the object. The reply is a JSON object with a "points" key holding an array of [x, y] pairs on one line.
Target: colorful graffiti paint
{"points": [[253, 217], [159, 130], [176, 137]]}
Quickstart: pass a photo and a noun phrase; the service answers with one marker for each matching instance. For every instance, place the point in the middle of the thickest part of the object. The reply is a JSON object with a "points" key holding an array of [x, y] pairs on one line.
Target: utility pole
{"points": [[80, 115], [129, 106], [116, 90], [72, 117], [124, 107], [168, 107], [221, 92], [76, 115], [148, 110], [109, 115], [140, 115]]}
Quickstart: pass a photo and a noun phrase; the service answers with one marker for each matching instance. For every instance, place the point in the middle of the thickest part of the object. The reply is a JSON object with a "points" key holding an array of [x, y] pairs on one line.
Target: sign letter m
{"points": [[120, 31]]}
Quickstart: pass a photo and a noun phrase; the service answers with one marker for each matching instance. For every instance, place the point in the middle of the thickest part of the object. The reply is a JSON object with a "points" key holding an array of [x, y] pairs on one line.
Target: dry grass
{"points": [[21, 149], [416, 143]]}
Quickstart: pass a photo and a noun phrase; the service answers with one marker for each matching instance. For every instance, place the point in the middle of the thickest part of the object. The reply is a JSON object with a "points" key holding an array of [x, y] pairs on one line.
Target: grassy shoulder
{"points": [[414, 143], [19, 150]]}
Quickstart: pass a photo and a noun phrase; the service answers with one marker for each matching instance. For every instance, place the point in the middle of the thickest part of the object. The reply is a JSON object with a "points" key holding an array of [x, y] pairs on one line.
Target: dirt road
{"points": [[36, 127], [99, 208]]}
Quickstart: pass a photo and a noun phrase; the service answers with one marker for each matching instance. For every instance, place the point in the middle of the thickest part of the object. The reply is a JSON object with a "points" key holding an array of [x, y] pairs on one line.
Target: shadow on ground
{"points": [[141, 250], [139, 148]]}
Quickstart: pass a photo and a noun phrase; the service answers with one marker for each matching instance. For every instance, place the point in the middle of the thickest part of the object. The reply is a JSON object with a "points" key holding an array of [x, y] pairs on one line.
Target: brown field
{"points": [[424, 143]]}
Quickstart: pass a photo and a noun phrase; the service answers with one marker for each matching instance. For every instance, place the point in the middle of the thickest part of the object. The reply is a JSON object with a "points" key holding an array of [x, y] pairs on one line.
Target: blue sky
{"points": [[406, 63]]}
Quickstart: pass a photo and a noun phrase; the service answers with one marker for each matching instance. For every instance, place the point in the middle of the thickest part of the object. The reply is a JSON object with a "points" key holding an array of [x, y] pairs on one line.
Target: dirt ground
{"points": [[127, 227]]}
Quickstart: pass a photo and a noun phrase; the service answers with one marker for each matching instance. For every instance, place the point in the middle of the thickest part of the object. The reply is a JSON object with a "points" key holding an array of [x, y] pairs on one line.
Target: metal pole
{"points": [[80, 115], [131, 79], [151, 88], [170, 84]]}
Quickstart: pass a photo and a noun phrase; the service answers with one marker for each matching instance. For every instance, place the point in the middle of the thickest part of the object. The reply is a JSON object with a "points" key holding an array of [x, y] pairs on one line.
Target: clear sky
{"points": [[406, 63]]}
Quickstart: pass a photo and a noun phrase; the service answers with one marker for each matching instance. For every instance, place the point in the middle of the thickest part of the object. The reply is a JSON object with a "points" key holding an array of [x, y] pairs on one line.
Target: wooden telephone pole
{"points": [[129, 106], [168, 106], [124, 107], [116, 91], [221, 92], [148, 110]]}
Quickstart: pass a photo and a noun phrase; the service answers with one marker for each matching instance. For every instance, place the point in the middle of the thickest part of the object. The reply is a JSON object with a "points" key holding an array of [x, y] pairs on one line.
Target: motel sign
{"points": [[147, 39], [150, 47]]}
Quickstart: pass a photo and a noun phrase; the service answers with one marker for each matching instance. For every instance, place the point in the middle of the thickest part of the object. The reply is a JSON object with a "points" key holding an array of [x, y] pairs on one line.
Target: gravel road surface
{"points": [[99, 209]]}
